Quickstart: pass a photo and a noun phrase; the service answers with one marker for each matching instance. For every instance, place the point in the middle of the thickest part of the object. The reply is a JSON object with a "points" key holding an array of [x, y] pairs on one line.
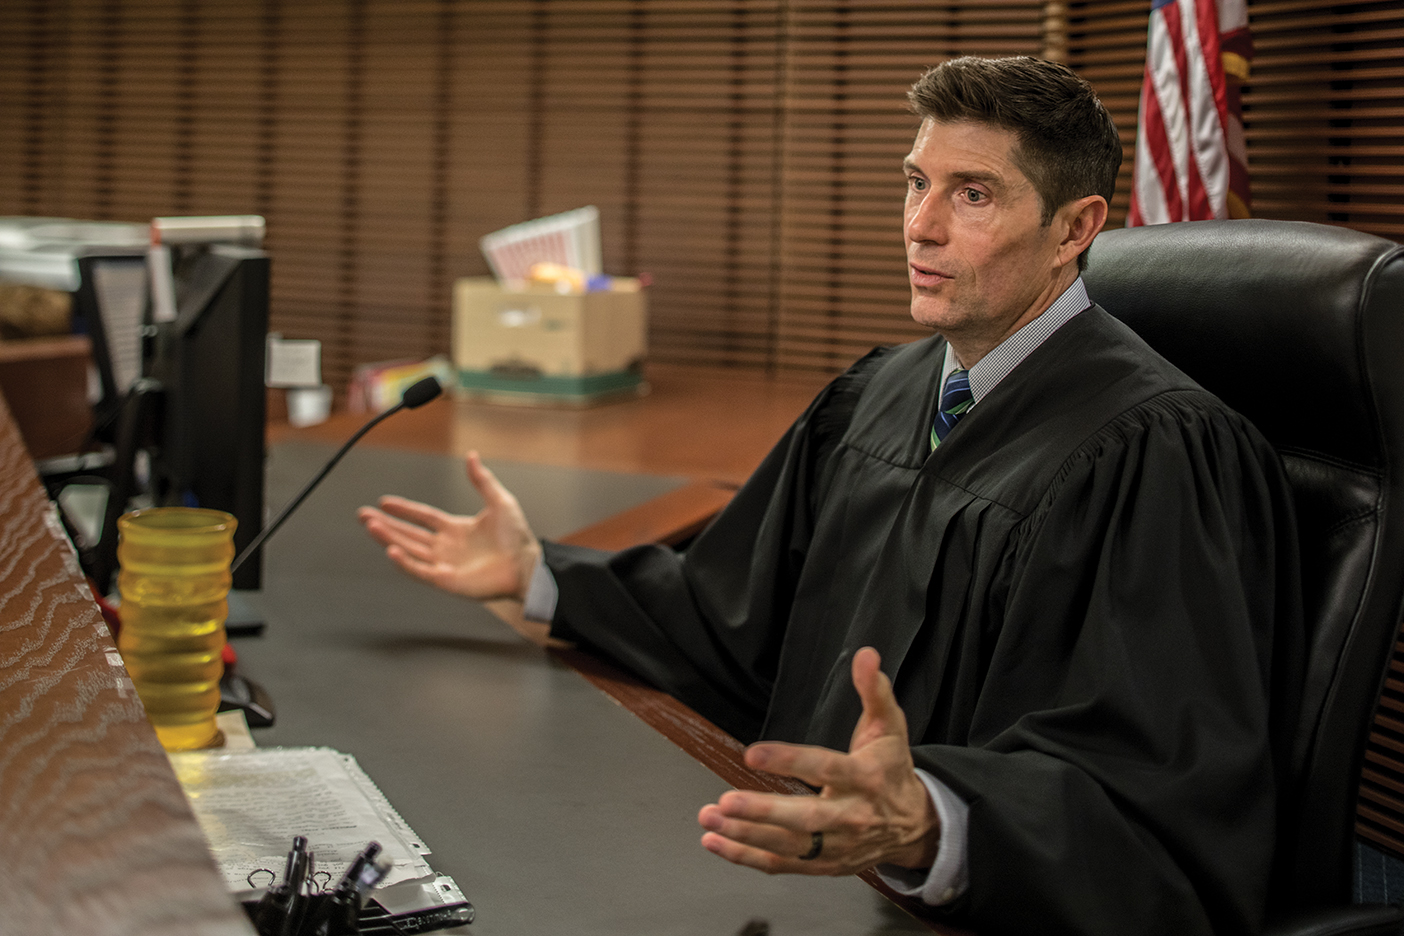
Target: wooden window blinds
{"points": [[745, 153], [1323, 109]]}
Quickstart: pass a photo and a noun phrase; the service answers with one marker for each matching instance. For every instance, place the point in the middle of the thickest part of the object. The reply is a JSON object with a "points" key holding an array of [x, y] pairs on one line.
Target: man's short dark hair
{"points": [[1066, 145]]}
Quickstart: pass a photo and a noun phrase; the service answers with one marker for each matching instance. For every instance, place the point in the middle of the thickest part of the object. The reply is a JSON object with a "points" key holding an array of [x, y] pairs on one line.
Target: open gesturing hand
{"points": [[871, 809], [487, 556]]}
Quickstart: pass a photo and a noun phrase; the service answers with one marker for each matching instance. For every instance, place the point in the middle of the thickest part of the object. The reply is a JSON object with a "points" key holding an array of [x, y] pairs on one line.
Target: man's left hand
{"points": [[872, 807]]}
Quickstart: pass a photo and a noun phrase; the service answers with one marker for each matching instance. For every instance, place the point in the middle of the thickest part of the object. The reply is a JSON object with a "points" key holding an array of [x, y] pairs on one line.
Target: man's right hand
{"points": [[488, 556]]}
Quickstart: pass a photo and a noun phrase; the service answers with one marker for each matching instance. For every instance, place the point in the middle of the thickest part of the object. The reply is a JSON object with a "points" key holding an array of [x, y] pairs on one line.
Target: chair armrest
{"points": [[1363, 920]]}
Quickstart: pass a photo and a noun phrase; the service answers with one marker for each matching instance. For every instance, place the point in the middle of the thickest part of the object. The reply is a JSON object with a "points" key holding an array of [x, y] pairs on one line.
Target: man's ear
{"points": [[1080, 221]]}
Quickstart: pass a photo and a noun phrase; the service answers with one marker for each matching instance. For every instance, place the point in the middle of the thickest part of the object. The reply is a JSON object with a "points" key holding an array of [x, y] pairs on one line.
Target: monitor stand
{"points": [[244, 619], [238, 691]]}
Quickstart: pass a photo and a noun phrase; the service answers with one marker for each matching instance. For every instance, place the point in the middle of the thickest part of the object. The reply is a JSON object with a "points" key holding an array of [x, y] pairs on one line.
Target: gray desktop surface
{"points": [[555, 810]]}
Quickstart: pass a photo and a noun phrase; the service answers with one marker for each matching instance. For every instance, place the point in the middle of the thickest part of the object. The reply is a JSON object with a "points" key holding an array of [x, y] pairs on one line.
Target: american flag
{"points": [[1191, 162]]}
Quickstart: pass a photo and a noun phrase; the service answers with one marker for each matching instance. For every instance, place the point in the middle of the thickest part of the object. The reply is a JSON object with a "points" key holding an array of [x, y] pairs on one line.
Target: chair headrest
{"points": [[1264, 314]]}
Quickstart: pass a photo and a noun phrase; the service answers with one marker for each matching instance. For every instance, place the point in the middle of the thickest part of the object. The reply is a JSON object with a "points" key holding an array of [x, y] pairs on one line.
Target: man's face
{"points": [[980, 262]]}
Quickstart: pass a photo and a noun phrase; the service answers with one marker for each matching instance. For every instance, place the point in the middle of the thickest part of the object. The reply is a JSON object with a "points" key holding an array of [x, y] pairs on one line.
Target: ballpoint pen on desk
{"points": [[338, 912], [280, 911], [301, 882]]}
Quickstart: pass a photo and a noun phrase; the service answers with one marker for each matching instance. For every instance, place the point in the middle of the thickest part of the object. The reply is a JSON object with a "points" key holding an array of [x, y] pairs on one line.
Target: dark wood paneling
{"points": [[45, 383], [98, 836]]}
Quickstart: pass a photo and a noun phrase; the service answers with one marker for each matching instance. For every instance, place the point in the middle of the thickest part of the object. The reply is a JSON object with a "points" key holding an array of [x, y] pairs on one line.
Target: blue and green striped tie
{"points": [[956, 400]]}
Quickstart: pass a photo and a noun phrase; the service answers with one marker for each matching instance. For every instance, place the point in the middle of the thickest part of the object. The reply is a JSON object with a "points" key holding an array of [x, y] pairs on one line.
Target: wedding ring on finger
{"points": [[816, 846]]}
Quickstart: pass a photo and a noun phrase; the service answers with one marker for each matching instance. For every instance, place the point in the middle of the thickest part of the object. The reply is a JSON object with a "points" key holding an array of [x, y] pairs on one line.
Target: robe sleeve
{"points": [[1125, 759], [706, 625]]}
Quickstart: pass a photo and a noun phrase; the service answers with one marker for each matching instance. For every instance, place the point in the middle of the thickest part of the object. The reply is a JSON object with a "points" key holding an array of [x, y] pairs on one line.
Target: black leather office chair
{"points": [[1300, 327]]}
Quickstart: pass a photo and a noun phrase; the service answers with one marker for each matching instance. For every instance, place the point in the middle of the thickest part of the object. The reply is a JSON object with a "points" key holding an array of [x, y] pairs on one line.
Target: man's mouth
{"points": [[926, 277]]}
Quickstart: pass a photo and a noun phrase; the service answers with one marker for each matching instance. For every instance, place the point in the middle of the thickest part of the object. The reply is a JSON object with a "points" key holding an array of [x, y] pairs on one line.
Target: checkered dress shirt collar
{"points": [[1009, 353]]}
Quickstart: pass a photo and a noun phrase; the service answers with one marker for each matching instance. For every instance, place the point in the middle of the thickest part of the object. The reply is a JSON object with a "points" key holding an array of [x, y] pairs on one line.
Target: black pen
{"points": [[300, 864], [284, 899], [339, 913]]}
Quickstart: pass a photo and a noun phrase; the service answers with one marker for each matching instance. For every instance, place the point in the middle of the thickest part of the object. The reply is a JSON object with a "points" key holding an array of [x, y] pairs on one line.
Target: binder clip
{"points": [[297, 906], [294, 908]]}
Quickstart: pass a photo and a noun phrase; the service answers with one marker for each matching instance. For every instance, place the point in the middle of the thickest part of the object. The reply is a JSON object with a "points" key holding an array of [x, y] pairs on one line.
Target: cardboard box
{"points": [[538, 345]]}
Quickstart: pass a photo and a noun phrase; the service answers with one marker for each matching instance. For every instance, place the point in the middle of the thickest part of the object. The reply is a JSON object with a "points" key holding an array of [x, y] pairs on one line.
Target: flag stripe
{"points": [[1209, 111], [1188, 61], [1173, 123], [1165, 177]]}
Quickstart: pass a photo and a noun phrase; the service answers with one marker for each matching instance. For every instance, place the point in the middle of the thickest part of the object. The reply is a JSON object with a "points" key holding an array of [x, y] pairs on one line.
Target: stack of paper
{"points": [[571, 240], [251, 803]]}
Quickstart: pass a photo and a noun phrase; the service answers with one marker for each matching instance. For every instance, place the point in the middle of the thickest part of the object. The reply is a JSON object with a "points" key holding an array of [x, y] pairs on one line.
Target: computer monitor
{"points": [[181, 397], [210, 364]]}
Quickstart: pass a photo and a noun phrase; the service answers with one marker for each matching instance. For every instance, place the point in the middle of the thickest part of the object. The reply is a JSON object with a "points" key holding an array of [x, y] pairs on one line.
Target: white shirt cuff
{"points": [[947, 878], [541, 596]]}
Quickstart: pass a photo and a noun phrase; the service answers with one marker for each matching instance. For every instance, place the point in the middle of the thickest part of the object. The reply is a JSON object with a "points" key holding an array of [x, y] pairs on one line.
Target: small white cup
{"points": [[308, 406]]}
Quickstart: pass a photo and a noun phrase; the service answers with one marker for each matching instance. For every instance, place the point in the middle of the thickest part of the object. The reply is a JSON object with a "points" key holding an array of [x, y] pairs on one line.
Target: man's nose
{"points": [[925, 221]]}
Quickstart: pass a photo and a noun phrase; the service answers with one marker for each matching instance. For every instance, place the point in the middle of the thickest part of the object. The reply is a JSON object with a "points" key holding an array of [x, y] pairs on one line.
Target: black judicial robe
{"points": [[1087, 598]]}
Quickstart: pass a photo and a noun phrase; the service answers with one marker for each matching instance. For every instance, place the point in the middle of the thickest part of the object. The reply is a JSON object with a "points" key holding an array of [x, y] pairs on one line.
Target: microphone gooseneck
{"points": [[416, 396]]}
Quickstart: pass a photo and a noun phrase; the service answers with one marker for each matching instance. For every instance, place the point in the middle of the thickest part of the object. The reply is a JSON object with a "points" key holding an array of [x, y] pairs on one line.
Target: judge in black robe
{"points": [[1086, 598]]}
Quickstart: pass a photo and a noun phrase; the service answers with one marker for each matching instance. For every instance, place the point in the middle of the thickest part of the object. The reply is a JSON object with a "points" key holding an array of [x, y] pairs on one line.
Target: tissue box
{"points": [[540, 346]]}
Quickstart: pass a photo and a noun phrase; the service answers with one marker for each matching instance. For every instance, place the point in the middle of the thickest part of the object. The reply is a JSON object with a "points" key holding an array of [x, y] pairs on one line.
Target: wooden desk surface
{"points": [[96, 835], [704, 423]]}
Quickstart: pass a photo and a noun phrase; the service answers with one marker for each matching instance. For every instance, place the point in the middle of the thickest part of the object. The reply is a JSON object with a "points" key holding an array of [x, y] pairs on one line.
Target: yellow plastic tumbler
{"points": [[174, 581]]}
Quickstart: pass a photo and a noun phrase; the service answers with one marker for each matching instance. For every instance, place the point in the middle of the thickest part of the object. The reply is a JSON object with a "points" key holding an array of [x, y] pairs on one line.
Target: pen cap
{"points": [[349, 879], [371, 876]]}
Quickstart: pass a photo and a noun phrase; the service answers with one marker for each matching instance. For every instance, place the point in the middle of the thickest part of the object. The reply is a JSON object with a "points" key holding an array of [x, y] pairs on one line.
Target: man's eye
{"points": [[974, 196], [917, 183]]}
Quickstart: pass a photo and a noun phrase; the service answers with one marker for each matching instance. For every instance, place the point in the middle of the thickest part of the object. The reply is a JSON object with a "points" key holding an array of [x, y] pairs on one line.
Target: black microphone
{"points": [[416, 396]]}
